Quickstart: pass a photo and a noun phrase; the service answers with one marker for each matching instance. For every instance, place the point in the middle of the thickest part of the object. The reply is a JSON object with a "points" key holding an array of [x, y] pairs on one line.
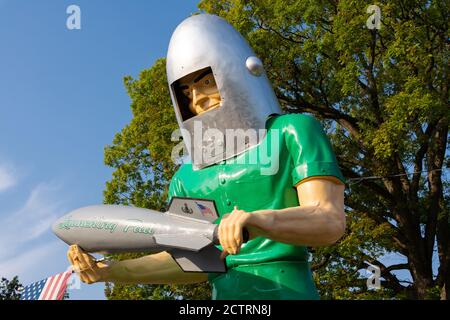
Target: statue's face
{"points": [[202, 92]]}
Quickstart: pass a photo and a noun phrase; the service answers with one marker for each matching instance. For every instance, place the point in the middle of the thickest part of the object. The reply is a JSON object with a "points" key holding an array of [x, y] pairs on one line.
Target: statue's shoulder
{"points": [[183, 170], [177, 182], [297, 120]]}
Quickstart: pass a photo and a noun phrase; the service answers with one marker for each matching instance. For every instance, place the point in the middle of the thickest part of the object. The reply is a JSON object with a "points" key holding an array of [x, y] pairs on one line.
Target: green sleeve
{"points": [[309, 148]]}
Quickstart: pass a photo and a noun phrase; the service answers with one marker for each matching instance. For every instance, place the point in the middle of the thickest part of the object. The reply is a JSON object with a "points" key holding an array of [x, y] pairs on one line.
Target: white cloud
{"points": [[8, 178], [28, 248], [43, 206], [27, 264]]}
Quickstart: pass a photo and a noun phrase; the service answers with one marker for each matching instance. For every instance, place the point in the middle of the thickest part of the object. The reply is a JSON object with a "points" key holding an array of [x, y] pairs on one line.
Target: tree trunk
{"points": [[444, 293], [421, 271]]}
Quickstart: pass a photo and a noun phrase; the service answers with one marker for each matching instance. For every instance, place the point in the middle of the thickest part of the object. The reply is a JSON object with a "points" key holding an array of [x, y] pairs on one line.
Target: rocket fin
{"points": [[182, 241], [207, 260], [200, 209]]}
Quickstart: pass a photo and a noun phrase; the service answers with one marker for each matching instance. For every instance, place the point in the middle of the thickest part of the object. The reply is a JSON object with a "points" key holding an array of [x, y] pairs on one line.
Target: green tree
{"points": [[10, 289], [382, 95]]}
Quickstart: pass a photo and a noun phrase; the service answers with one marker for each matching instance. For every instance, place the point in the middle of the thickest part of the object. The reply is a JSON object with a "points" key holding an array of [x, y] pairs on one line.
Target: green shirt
{"points": [[303, 151]]}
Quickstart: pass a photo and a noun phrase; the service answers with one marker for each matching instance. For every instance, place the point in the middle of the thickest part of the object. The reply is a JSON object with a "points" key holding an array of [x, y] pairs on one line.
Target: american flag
{"points": [[52, 288], [204, 210]]}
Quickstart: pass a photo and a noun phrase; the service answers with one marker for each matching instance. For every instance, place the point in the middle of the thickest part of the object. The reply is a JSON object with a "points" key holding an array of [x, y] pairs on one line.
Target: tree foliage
{"points": [[10, 289], [383, 96]]}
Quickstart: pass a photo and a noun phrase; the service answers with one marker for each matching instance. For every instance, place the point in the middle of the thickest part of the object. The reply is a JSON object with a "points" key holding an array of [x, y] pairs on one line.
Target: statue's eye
{"points": [[207, 82]]}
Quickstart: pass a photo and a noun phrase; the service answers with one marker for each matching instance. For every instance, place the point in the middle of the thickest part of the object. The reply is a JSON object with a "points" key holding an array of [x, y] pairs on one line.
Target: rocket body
{"points": [[186, 231]]}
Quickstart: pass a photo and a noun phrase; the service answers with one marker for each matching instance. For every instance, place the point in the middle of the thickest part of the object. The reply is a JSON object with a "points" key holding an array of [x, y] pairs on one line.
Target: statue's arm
{"points": [[157, 268], [318, 221]]}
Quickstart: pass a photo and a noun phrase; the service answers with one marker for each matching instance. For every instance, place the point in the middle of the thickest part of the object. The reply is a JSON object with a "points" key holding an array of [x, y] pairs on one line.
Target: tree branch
{"points": [[419, 156], [435, 159], [324, 261], [344, 120], [400, 266]]}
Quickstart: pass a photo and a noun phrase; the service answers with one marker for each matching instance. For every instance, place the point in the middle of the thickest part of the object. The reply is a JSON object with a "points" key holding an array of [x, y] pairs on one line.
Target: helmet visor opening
{"points": [[197, 93]]}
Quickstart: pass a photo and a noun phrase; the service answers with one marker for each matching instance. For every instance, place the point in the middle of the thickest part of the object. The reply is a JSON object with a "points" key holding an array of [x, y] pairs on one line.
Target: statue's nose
{"points": [[198, 97]]}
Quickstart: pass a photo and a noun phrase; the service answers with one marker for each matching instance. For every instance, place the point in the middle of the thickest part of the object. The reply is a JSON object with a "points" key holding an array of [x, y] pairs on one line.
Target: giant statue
{"points": [[270, 174]]}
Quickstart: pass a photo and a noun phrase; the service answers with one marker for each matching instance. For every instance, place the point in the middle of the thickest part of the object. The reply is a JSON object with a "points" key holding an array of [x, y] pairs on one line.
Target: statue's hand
{"points": [[85, 265], [231, 231]]}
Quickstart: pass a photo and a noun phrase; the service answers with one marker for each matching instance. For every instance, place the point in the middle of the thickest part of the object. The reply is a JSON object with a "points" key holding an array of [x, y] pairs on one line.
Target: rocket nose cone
{"points": [[57, 227]]}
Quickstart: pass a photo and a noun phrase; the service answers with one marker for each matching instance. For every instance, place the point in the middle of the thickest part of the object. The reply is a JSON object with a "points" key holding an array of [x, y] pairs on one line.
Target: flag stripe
{"points": [[56, 285], [61, 286], [52, 288], [46, 288]]}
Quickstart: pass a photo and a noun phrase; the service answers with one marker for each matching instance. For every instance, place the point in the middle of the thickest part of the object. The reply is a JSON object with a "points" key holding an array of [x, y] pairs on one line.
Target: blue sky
{"points": [[61, 101]]}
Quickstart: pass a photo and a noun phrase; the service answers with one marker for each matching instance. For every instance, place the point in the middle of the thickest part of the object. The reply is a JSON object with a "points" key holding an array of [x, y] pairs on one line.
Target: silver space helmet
{"points": [[204, 44]]}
